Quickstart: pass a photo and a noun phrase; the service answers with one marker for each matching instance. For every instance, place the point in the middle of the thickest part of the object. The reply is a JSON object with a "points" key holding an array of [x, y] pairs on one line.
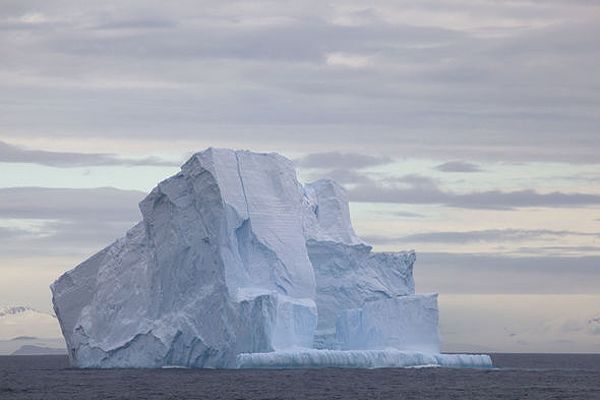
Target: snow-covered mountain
{"points": [[25, 321], [25, 326]]}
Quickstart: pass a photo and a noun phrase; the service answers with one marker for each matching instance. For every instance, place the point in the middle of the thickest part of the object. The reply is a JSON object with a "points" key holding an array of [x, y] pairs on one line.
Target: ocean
{"points": [[516, 376]]}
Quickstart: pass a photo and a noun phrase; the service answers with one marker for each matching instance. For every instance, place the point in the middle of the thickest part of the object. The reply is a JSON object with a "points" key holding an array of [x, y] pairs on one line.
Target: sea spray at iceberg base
{"points": [[235, 264]]}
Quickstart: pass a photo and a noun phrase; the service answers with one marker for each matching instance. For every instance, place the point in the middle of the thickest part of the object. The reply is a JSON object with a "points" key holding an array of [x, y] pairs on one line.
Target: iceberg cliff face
{"points": [[347, 272], [404, 323], [234, 257]]}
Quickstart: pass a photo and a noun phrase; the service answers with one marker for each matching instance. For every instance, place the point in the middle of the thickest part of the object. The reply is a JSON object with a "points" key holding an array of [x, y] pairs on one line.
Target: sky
{"points": [[467, 130]]}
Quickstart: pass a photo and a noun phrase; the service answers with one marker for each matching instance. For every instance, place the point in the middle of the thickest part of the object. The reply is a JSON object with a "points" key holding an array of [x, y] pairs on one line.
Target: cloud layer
{"points": [[466, 80], [336, 160], [489, 235], [42, 222], [458, 166], [418, 189], [14, 154]]}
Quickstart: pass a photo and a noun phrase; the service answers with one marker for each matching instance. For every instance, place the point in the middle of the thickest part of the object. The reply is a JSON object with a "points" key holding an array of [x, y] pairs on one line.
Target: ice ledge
{"points": [[389, 358]]}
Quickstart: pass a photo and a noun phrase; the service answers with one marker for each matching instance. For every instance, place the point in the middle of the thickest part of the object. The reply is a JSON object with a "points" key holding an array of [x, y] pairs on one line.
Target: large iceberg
{"points": [[237, 265]]}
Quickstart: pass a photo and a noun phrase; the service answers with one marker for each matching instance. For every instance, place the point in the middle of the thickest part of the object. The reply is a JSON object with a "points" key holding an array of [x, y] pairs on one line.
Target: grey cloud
{"points": [[428, 193], [490, 235], [21, 26], [258, 76], [390, 213], [343, 168], [565, 250], [420, 189], [68, 221], [151, 23], [414, 180], [458, 166], [101, 204], [10, 233], [406, 214], [308, 38], [492, 273], [341, 176], [339, 161], [62, 238], [521, 198], [14, 154]]}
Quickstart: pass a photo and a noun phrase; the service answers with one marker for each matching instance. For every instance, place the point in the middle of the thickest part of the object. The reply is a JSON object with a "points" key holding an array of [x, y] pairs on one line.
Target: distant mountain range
{"points": [[24, 330], [33, 350]]}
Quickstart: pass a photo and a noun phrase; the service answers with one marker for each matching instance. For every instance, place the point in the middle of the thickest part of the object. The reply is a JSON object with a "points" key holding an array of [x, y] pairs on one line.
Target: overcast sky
{"points": [[468, 130]]}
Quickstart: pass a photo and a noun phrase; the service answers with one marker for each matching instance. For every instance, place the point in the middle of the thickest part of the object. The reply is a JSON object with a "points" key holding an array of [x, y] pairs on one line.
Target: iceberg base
{"points": [[389, 358]]}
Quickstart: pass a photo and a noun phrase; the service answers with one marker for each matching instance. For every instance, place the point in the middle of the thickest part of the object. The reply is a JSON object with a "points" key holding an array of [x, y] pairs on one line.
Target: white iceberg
{"points": [[236, 264]]}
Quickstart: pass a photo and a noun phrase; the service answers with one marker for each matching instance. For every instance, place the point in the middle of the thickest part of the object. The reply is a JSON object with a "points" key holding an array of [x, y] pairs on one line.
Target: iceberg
{"points": [[236, 264]]}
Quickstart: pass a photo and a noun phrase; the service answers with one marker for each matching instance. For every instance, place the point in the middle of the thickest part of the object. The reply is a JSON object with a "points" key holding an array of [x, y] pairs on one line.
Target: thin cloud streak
{"points": [[458, 166], [489, 235], [10, 153], [491, 199], [419, 189], [101, 204], [340, 161]]}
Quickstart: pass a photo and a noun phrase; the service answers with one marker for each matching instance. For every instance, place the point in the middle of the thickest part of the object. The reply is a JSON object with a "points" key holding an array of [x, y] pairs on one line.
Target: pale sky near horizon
{"points": [[468, 130]]}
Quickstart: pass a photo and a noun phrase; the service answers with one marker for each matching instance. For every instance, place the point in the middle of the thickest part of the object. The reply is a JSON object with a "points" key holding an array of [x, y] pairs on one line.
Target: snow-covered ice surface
{"points": [[237, 264], [386, 358]]}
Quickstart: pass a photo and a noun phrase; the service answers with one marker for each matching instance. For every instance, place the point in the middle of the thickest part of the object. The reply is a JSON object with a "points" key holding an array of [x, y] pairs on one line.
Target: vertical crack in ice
{"points": [[237, 159]]}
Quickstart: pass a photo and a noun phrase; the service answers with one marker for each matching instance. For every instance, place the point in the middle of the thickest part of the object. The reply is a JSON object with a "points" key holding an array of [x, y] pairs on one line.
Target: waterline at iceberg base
{"points": [[235, 264]]}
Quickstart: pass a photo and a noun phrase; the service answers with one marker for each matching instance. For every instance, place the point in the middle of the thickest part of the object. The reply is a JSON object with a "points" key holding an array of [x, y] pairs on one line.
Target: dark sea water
{"points": [[518, 376]]}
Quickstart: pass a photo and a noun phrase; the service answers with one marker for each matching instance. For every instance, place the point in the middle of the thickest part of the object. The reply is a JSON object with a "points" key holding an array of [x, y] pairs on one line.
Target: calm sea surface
{"points": [[518, 376]]}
